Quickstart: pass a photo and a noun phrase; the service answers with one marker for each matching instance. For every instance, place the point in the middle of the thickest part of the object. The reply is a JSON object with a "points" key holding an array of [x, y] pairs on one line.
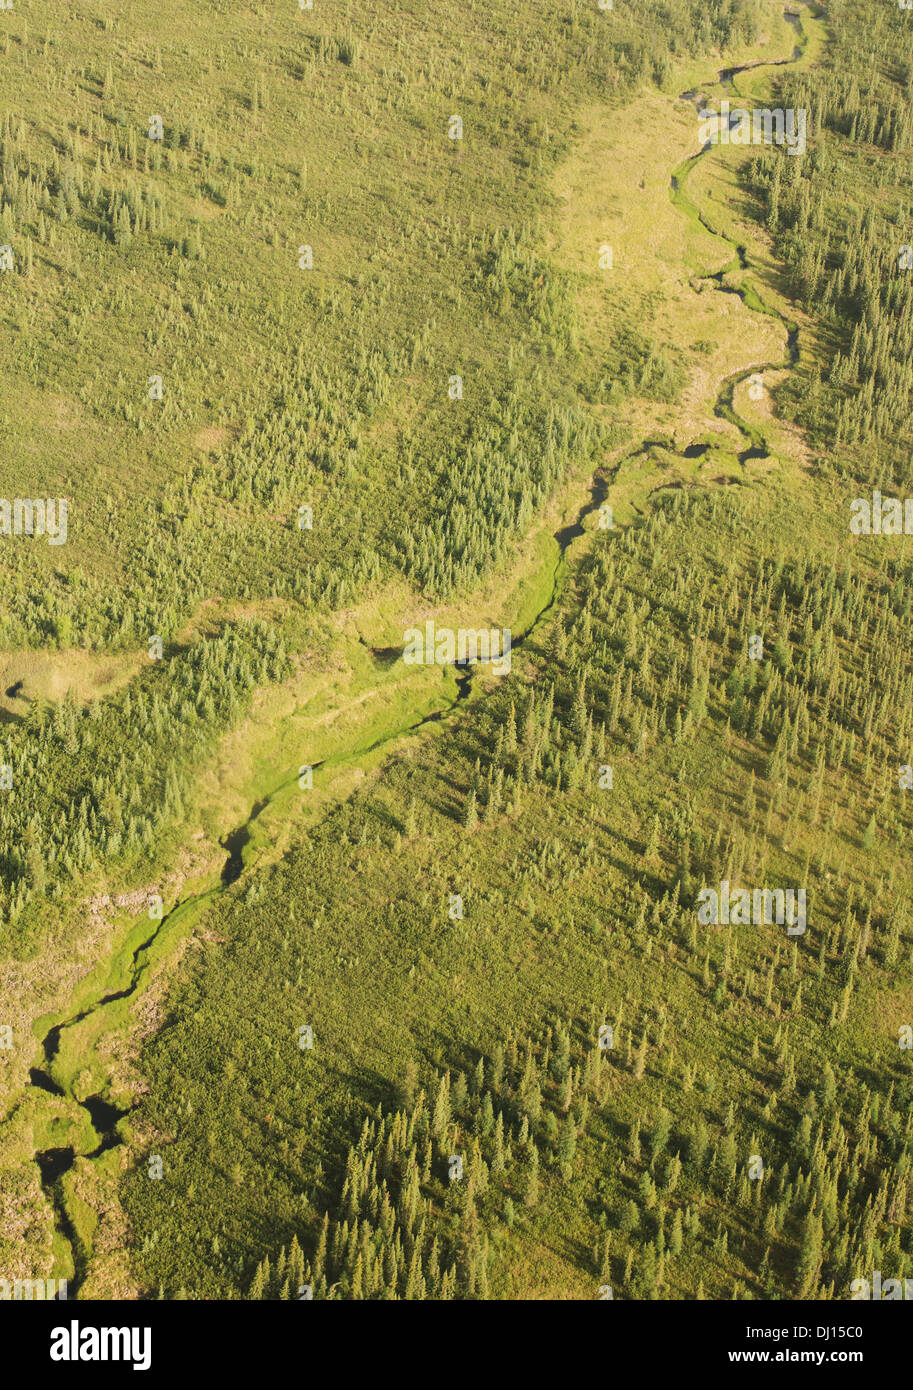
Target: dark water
{"points": [[46, 1083], [599, 491], [105, 1118], [386, 656], [53, 1163]]}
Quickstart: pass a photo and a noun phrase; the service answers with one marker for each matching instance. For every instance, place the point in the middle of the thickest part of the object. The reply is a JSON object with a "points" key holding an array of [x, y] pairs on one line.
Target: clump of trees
{"points": [[95, 786]]}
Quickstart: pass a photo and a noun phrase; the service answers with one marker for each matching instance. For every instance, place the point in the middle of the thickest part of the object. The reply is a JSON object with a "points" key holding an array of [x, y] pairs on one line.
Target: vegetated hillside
{"points": [[181, 258], [630, 1165], [478, 1037], [302, 442], [535, 1071], [842, 219]]}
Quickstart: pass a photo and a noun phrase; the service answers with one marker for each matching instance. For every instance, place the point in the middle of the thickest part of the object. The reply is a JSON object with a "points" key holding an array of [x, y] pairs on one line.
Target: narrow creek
{"points": [[756, 446], [54, 1163], [105, 1118]]}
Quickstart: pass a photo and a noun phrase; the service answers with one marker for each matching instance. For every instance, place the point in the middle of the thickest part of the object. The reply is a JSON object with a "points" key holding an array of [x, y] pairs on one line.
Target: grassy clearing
{"points": [[29, 676], [661, 262]]}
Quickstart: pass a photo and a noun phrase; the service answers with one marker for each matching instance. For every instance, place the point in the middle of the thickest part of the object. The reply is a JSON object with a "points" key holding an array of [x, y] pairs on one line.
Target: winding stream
{"points": [[106, 1118], [723, 406]]}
